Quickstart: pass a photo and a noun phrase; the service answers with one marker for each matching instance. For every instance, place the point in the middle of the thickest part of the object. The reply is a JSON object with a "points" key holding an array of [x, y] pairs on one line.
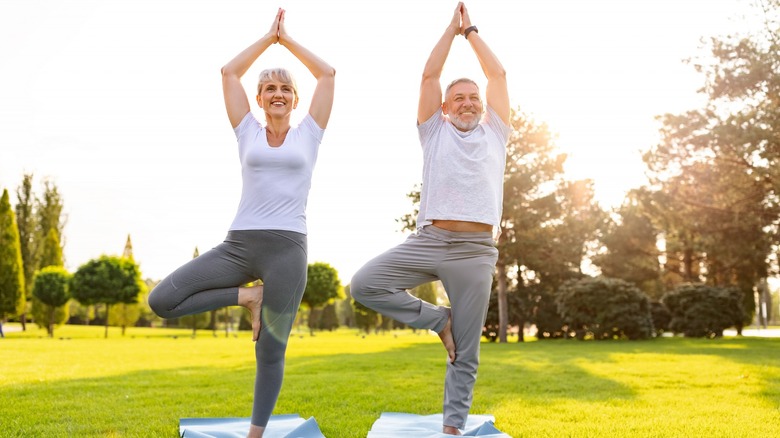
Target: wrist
{"points": [[468, 30]]}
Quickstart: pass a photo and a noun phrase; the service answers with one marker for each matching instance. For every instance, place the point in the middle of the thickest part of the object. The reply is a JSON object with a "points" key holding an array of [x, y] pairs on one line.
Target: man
{"points": [[460, 210]]}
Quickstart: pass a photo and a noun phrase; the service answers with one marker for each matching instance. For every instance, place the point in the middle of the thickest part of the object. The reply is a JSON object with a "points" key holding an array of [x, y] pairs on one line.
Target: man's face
{"points": [[463, 106]]}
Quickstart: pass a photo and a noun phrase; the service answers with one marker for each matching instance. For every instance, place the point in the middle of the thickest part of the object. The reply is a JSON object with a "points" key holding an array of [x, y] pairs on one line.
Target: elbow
{"points": [[329, 73]]}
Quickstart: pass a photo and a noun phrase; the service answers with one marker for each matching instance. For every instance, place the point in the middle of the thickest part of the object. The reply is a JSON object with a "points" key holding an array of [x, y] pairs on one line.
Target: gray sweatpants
{"points": [[211, 281], [465, 263]]}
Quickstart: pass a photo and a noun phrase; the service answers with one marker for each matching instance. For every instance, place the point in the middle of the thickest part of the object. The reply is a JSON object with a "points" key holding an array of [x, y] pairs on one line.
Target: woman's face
{"points": [[277, 98]]}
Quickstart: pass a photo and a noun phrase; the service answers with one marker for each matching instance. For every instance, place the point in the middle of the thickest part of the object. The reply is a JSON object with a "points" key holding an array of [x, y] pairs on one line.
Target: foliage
{"points": [[12, 287], [630, 248], [366, 319], [51, 252], [605, 308], [107, 280], [714, 175], [26, 223], [661, 317], [50, 288], [699, 310], [328, 319], [322, 287], [322, 284]]}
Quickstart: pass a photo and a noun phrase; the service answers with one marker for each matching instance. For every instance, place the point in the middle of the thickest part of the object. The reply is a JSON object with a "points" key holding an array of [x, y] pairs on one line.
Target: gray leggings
{"points": [[465, 263], [211, 280]]}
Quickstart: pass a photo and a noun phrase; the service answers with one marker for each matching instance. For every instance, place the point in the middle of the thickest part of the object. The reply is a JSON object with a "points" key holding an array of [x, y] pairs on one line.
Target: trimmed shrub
{"points": [[699, 310], [605, 308]]}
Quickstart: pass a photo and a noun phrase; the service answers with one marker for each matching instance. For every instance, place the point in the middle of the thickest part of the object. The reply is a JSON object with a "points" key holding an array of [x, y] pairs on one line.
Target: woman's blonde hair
{"points": [[277, 74]]}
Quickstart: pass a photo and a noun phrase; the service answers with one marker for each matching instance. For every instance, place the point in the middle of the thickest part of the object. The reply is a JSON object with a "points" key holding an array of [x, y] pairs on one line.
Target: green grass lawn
{"points": [[82, 385]]}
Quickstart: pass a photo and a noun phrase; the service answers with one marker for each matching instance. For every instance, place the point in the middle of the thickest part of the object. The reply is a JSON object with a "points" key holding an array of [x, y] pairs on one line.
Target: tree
{"points": [[715, 176], [107, 280], [547, 222], [605, 308], [51, 250], [12, 287], [631, 251], [700, 310], [365, 318], [26, 223], [50, 288], [322, 286]]}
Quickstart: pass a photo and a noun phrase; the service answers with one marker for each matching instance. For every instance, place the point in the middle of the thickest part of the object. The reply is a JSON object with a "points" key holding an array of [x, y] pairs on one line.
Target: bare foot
{"points": [[449, 430], [252, 299], [255, 431], [446, 338]]}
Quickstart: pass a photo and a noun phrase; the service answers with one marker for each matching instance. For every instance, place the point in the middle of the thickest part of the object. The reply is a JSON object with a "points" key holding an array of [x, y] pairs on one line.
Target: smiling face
{"points": [[277, 94], [463, 105]]}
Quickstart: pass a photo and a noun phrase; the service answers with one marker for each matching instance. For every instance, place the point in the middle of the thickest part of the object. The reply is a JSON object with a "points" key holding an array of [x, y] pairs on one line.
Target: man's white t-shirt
{"points": [[463, 172]]}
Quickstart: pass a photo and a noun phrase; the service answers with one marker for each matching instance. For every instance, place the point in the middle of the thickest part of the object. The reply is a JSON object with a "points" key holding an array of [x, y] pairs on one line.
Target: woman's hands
{"points": [[278, 33]]}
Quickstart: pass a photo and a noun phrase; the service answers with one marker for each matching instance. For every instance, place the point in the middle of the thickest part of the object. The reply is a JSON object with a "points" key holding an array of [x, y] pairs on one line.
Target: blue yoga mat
{"points": [[279, 426], [397, 424]]}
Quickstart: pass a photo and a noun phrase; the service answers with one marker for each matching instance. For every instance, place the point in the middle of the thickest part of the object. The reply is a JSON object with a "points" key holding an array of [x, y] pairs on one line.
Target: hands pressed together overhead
{"points": [[460, 19], [278, 33]]}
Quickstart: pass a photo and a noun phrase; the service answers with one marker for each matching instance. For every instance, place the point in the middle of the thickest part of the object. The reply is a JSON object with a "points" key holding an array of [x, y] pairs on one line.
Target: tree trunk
{"points": [[106, 331], [50, 325], [24, 321], [503, 314], [688, 264]]}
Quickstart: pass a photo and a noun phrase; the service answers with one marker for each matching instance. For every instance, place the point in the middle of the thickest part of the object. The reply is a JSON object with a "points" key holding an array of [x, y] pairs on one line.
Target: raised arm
{"points": [[322, 99], [430, 88], [236, 102], [496, 92]]}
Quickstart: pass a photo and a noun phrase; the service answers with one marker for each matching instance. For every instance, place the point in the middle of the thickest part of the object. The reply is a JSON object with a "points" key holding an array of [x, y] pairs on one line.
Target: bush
{"points": [[605, 308], [699, 310]]}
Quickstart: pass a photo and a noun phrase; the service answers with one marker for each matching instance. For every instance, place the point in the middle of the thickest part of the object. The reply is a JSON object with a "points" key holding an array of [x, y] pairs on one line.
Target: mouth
{"points": [[277, 103]]}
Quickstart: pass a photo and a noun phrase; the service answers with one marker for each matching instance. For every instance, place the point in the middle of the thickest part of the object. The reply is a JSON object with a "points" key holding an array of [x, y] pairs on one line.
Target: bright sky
{"points": [[120, 104]]}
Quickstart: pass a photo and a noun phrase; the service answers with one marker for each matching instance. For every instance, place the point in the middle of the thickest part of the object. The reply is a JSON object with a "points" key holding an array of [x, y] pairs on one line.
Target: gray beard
{"points": [[464, 126]]}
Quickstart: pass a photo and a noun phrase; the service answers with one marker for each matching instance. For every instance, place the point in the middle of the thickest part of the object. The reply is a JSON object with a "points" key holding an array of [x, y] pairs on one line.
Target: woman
{"points": [[267, 239]]}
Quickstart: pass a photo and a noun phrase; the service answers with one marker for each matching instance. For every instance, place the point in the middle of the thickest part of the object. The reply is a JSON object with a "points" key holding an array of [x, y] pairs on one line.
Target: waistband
{"points": [[434, 232]]}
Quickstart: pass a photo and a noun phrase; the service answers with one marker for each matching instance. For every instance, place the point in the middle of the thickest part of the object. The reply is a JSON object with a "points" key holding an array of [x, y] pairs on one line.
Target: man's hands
{"points": [[460, 19], [455, 23], [465, 20]]}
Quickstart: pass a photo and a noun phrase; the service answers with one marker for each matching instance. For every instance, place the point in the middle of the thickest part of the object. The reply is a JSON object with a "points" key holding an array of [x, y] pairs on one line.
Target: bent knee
{"points": [[158, 303]]}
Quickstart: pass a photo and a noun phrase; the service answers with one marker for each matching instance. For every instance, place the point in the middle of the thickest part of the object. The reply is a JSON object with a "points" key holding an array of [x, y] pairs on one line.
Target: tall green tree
{"points": [[630, 248], [715, 173], [107, 280], [51, 250], [26, 222], [12, 287], [548, 222], [322, 286], [50, 288]]}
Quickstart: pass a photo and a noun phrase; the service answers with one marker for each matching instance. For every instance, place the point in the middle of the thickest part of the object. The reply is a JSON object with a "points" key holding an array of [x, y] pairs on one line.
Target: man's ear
{"points": [[444, 107]]}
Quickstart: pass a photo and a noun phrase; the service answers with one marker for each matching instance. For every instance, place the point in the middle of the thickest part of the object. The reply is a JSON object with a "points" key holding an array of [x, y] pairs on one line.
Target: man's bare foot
{"points": [[255, 431], [449, 430], [449, 342], [252, 299]]}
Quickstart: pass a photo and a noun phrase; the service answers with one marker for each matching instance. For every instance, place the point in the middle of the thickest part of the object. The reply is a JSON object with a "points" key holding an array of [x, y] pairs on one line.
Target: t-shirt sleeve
{"points": [[248, 121], [428, 128], [309, 126], [497, 125]]}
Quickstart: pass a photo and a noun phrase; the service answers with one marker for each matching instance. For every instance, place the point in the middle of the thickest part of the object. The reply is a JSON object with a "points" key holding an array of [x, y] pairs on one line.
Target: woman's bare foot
{"points": [[252, 299], [449, 342], [255, 431], [449, 430]]}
